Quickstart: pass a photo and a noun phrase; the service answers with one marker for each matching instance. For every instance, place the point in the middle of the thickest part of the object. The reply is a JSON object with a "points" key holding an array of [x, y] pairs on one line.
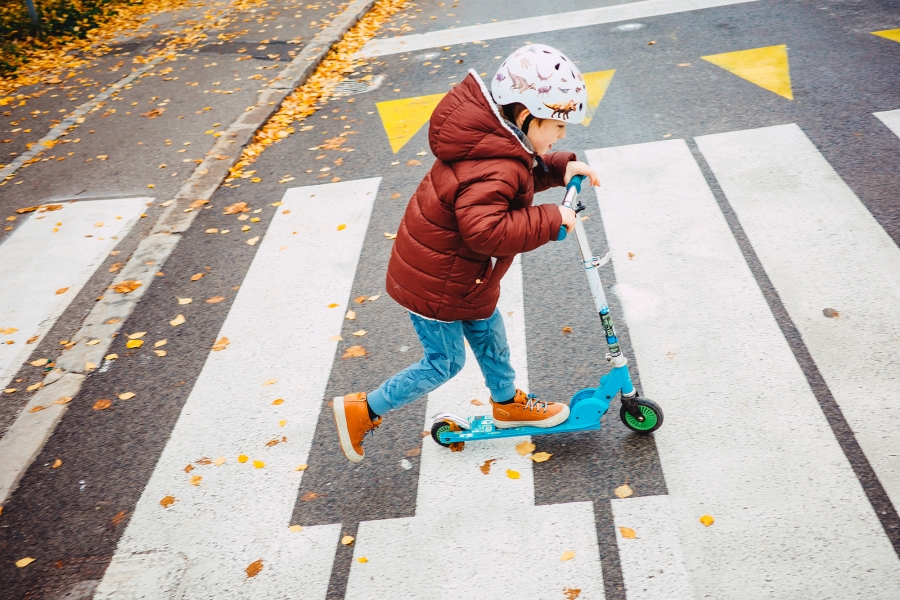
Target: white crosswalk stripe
{"points": [[201, 545], [476, 525], [42, 270], [745, 440], [823, 251]]}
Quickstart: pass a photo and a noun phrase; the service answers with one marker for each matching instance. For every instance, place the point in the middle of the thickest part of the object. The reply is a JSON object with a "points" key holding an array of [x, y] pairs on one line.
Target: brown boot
{"points": [[528, 411], [351, 416]]}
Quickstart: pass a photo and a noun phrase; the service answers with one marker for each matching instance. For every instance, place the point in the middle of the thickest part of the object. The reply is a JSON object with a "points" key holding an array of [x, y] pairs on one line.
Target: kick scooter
{"points": [[587, 406]]}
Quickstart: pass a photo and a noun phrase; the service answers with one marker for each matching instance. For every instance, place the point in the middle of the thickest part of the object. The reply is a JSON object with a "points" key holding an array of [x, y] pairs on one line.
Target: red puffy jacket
{"points": [[474, 205]]}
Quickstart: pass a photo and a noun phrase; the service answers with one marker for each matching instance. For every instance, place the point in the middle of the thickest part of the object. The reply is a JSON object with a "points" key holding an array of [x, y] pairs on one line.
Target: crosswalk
{"points": [[745, 438]]}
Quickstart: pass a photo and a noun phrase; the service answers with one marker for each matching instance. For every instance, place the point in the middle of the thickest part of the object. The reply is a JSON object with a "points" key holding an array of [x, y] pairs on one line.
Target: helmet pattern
{"points": [[544, 80]]}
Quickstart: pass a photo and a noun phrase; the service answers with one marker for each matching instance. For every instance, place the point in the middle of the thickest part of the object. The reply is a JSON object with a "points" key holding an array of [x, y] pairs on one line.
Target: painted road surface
{"points": [[748, 153]]}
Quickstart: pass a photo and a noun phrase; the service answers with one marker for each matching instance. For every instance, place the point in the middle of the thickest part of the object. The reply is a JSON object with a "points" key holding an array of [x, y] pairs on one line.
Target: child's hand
{"points": [[568, 217], [579, 168]]}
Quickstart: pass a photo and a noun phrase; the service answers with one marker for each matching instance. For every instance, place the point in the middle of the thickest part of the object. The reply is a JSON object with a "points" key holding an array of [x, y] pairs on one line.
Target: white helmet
{"points": [[544, 80]]}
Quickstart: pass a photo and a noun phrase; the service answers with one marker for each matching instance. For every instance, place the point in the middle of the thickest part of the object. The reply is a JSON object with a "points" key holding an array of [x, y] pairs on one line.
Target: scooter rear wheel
{"points": [[653, 416]]}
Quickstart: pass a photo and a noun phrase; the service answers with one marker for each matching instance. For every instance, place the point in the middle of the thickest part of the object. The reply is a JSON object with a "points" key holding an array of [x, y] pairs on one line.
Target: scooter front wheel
{"points": [[653, 416], [442, 425]]}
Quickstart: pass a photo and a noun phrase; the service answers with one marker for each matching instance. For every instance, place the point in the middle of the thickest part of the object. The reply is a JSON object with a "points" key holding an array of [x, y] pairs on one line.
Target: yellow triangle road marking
{"points": [[403, 118], [891, 34], [596, 83], [766, 67]]}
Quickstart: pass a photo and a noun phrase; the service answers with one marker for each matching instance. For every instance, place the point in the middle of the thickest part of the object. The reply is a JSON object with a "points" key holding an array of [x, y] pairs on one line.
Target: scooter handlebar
{"points": [[575, 183]]}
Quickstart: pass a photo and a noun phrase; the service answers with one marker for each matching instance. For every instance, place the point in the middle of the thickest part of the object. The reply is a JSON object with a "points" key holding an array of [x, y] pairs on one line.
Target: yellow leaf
{"points": [[102, 404], [512, 474], [177, 321], [363, 559], [160, 343], [56, 464], [390, 236], [197, 277], [374, 298], [359, 333], [540, 457], [62, 291], [111, 357], [89, 366], [92, 343], [567, 330], [350, 316], [295, 528], [35, 409], [212, 230], [10, 390], [196, 479], [136, 336], [185, 300], [221, 344], [707, 520], [252, 241], [628, 533], [258, 464], [254, 568], [476, 402], [302, 467], [160, 353], [124, 287], [63, 400], [278, 401], [354, 351], [567, 555], [134, 343], [167, 501], [34, 386], [347, 540], [219, 461], [39, 362], [341, 227], [333, 305], [269, 381], [242, 458], [282, 423], [215, 299], [336, 338], [24, 562], [524, 448], [127, 396], [624, 491]]}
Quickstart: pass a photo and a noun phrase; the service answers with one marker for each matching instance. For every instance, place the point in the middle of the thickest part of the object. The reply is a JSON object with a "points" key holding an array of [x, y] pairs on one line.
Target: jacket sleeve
{"points": [[488, 226], [556, 170]]}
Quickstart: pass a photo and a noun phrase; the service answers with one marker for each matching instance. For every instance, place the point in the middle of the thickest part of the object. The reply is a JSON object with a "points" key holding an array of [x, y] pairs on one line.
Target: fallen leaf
{"points": [[177, 321], [124, 287], [111, 356], [252, 241], [39, 362], [278, 401], [221, 344], [512, 474], [476, 402], [63, 400], [707, 520], [215, 299], [196, 479], [34, 386], [35, 409], [118, 518], [630, 256], [189, 468], [486, 467], [302, 467], [414, 162], [347, 540], [360, 299], [333, 305], [56, 464], [414, 451], [199, 203], [242, 458], [624, 491], [567, 555], [254, 568], [390, 236], [539, 457], [395, 195], [136, 335], [831, 313], [152, 114], [204, 461], [167, 501], [363, 559], [336, 338], [219, 461], [295, 528], [374, 298], [237, 207], [89, 366], [134, 343], [111, 321], [309, 496], [185, 300], [524, 448], [62, 291], [572, 593], [269, 382], [102, 404], [354, 351], [359, 333], [567, 330], [628, 533], [127, 396], [342, 227], [197, 276], [160, 343], [350, 316], [32, 339], [10, 390], [258, 464], [651, 43], [92, 343], [24, 562], [160, 353], [212, 230]]}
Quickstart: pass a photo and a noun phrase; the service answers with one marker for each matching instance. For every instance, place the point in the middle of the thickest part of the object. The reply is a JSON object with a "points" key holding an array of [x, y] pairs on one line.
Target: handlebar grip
{"points": [[562, 233], [575, 182]]}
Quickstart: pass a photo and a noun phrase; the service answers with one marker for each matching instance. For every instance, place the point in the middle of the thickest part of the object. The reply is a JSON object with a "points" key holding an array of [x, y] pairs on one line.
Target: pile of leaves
{"points": [[309, 97]]}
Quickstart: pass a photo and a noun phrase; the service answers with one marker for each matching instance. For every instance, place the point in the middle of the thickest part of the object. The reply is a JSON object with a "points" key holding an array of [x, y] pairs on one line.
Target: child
{"points": [[469, 218]]}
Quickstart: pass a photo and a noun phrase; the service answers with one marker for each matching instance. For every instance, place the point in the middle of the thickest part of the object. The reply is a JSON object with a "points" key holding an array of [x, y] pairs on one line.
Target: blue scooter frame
{"points": [[588, 405]]}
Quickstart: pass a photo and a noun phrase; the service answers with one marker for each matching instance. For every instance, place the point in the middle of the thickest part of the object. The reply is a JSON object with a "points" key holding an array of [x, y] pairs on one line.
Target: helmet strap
{"points": [[528, 119]]}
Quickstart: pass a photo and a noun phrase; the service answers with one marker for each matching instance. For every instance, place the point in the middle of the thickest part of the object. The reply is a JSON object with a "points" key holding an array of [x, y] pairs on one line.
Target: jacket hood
{"points": [[467, 125]]}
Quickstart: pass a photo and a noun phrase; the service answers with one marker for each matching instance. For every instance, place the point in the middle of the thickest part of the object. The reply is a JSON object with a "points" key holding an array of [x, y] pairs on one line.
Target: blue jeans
{"points": [[445, 356]]}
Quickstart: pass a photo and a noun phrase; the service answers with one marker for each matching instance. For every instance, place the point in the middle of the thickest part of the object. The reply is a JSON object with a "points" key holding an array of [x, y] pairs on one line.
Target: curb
{"points": [[25, 438]]}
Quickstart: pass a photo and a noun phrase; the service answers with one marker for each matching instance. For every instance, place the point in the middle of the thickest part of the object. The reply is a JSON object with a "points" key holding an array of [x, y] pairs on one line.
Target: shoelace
{"points": [[534, 403]]}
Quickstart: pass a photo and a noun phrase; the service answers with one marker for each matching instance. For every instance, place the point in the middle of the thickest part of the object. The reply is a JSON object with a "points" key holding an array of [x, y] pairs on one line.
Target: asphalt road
{"points": [[72, 518]]}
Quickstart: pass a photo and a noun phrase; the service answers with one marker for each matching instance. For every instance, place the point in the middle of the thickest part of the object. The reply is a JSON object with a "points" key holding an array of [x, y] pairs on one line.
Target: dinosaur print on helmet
{"points": [[544, 80]]}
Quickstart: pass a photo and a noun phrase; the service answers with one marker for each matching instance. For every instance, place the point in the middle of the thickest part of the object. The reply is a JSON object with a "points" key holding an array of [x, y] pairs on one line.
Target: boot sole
{"points": [[340, 423], [553, 421]]}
